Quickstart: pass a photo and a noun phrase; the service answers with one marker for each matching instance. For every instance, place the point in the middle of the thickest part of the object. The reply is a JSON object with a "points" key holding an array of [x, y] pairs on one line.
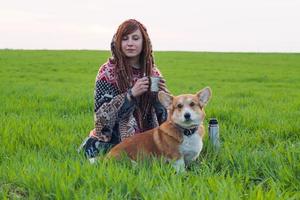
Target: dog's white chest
{"points": [[191, 147]]}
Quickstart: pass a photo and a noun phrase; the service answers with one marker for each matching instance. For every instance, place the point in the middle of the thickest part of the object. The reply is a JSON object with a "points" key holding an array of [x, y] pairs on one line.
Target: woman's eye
{"points": [[136, 37], [125, 38]]}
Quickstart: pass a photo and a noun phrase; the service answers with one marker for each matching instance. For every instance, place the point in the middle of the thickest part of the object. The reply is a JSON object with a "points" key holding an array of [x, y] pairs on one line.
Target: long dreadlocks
{"points": [[124, 72]]}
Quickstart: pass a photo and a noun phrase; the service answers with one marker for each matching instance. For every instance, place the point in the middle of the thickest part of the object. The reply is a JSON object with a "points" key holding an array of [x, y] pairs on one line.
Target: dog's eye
{"points": [[192, 104], [179, 106]]}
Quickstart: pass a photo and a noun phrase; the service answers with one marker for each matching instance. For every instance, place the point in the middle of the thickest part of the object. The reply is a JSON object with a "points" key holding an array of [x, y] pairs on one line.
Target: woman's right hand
{"points": [[140, 87]]}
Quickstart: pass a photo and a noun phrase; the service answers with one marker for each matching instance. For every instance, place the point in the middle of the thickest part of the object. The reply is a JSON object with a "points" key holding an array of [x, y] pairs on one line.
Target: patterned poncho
{"points": [[114, 119]]}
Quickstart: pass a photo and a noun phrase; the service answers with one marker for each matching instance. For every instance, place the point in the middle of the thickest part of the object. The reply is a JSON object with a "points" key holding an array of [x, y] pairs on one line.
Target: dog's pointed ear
{"points": [[165, 99], [204, 96]]}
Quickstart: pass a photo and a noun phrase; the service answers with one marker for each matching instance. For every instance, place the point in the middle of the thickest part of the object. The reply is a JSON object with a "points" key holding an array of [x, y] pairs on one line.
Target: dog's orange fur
{"points": [[161, 141]]}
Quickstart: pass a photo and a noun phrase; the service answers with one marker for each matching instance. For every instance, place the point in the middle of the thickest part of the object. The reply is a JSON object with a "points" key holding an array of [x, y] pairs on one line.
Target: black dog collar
{"points": [[187, 131]]}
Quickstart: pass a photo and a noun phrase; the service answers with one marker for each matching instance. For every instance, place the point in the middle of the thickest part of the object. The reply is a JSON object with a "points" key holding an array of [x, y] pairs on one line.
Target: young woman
{"points": [[124, 105]]}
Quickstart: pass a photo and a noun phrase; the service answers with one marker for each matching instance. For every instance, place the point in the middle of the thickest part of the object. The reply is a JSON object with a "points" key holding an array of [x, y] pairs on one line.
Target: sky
{"points": [[177, 25]]}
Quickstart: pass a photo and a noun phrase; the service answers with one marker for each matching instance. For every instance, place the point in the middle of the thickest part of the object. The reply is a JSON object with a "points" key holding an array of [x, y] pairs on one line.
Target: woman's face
{"points": [[132, 44]]}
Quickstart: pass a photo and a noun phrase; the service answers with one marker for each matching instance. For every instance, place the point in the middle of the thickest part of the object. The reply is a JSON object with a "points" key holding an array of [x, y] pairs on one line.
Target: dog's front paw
{"points": [[179, 165], [92, 160]]}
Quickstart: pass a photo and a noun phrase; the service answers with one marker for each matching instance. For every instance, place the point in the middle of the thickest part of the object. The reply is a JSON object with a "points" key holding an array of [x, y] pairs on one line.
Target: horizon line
{"points": [[192, 51]]}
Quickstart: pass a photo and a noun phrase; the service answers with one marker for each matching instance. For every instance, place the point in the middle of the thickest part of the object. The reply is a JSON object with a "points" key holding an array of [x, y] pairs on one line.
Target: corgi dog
{"points": [[178, 139]]}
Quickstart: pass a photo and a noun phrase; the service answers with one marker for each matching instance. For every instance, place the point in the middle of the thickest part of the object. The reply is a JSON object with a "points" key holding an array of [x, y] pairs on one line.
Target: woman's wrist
{"points": [[130, 95]]}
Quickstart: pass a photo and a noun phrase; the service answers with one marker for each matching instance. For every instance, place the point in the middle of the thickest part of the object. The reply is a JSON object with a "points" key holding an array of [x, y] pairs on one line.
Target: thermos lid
{"points": [[213, 121]]}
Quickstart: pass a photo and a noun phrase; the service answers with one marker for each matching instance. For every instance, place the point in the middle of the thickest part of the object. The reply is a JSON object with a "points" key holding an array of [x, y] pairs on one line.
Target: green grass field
{"points": [[46, 110]]}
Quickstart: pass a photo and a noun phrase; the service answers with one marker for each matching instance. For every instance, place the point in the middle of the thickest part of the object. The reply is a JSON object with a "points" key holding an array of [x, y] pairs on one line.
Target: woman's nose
{"points": [[130, 42]]}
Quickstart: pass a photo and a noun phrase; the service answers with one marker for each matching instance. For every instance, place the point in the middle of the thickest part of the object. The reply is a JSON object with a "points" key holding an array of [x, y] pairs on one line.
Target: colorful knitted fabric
{"points": [[114, 119]]}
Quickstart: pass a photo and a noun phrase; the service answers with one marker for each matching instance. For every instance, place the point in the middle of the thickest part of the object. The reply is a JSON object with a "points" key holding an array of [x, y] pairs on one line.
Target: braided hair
{"points": [[124, 72]]}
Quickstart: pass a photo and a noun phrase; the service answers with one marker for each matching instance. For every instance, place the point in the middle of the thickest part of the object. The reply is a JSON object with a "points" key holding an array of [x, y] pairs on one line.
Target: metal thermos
{"points": [[213, 129]]}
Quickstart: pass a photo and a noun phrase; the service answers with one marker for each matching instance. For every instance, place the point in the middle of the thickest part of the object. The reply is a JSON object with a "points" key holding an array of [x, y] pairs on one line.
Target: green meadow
{"points": [[46, 110]]}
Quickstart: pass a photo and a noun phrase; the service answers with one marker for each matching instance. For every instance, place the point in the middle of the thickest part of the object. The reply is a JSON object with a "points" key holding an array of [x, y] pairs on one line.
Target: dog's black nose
{"points": [[187, 116]]}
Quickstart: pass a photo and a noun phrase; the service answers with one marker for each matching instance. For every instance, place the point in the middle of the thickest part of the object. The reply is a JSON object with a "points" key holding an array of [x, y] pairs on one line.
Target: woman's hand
{"points": [[140, 87]]}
